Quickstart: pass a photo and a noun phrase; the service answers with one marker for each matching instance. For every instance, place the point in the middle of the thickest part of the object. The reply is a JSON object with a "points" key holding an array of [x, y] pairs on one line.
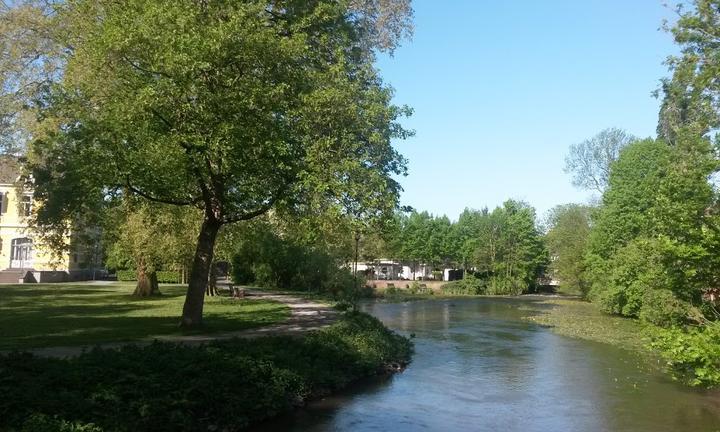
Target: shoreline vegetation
{"points": [[224, 385]]}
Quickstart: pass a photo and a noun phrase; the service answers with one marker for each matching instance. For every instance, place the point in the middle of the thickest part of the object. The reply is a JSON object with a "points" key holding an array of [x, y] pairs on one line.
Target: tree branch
{"points": [[144, 70], [257, 212], [146, 195]]}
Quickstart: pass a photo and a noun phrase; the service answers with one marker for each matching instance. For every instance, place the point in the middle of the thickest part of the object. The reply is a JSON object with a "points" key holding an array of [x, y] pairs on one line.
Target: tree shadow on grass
{"points": [[93, 324]]}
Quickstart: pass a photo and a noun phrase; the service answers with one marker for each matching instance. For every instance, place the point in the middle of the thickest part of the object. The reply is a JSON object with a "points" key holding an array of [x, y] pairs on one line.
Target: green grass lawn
{"points": [[41, 315]]}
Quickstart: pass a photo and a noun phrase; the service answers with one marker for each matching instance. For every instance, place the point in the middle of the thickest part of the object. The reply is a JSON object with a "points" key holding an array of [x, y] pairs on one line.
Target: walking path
{"points": [[305, 316]]}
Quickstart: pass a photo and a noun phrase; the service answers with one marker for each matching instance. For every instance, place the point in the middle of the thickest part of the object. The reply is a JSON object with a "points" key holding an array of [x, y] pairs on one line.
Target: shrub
{"points": [[267, 260], [661, 308], [693, 354], [655, 271], [126, 275], [416, 288], [43, 423], [225, 385], [469, 285], [171, 277]]}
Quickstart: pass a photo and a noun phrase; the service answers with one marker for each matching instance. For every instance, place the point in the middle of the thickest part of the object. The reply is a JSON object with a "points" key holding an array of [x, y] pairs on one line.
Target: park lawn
{"points": [[42, 315]]}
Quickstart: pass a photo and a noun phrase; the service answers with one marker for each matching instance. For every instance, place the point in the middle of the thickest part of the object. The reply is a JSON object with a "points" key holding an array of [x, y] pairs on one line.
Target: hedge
{"points": [[172, 277], [223, 386]]}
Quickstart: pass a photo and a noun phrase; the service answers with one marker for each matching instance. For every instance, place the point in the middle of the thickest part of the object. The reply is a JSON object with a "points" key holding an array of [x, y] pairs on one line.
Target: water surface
{"points": [[479, 366]]}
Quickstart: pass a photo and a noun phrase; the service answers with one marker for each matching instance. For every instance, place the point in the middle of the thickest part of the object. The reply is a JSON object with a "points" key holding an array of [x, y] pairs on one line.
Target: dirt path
{"points": [[305, 316]]}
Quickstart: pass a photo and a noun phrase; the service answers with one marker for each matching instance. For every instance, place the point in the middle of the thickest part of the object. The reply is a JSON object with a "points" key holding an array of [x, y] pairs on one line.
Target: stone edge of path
{"points": [[305, 315]]}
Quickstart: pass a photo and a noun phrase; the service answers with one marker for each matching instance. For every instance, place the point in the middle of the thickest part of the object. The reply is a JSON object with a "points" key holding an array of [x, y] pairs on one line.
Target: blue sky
{"points": [[501, 89]]}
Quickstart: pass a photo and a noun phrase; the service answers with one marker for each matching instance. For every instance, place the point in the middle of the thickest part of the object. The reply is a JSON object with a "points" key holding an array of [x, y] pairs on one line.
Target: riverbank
{"points": [[223, 385]]}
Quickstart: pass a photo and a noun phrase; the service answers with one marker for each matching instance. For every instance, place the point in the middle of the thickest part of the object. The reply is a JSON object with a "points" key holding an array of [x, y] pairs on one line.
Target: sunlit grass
{"points": [[40, 315]]}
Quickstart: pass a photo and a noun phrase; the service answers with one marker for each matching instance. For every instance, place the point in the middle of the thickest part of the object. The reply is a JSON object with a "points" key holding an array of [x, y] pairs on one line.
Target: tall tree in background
{"points": [[230, 107], [654, 242], [31, 58], [589, 161], [691, 98], [566, 239], [146, 237]]}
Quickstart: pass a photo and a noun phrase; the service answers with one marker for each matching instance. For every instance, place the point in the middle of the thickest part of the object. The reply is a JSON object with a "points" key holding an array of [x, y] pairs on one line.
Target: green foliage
{"points": [[126, 275], [654, 235], [692, 354], [218, 106], [171, 277], [566, 240], [266, 259], [417, 288], [689, 97], [150, 234], [167, 387], [469, 285], [508, 249], [425, 239], [43, 423]]}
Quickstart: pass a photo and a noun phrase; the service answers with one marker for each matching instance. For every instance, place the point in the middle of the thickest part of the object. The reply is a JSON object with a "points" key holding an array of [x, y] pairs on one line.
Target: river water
{"points": [[478, 366]]}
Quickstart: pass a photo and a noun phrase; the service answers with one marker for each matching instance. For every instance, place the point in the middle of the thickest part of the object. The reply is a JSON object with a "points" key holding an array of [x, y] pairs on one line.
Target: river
{"points": [[478, 366]]}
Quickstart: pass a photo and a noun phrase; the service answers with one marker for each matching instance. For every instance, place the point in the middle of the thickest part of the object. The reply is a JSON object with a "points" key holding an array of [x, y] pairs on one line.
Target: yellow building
{"points": [[22, 256]]}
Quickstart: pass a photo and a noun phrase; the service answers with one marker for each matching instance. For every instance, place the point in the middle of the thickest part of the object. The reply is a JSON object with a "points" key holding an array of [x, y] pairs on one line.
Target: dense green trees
{"points": [[653, 237], [653, 248], [568, 228], [503, 247]]}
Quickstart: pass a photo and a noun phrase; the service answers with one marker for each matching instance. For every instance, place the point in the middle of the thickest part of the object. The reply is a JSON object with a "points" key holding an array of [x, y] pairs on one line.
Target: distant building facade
{"points": [[388, 269], [22, 257]]}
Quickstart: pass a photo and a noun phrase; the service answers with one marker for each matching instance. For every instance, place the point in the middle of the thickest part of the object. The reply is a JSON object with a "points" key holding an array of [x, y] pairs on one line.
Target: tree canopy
{"points": [[231, 107], [589, 161]]}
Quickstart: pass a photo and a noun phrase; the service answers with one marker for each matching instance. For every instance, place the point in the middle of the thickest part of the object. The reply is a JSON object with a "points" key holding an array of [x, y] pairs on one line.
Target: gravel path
{"points": [[305, 316]]}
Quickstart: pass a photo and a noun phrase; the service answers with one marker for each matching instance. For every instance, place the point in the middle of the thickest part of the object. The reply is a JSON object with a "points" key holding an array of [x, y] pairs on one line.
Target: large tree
{"points": [[231, 107], [566, 240], [656, 234], [691, 97], [589, 161]]}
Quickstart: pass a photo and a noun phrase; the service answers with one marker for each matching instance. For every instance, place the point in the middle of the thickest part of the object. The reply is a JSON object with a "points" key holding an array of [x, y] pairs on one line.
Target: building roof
{"points": [[9, 169]]}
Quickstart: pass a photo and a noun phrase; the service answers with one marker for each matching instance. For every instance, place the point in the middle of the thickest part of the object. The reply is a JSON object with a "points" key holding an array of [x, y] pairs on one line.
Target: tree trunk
{"points": [[211, 289], [147, 284], [193, 308]]}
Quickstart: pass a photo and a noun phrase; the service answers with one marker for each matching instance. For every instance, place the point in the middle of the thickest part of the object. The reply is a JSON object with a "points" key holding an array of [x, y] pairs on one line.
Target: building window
{"points": [[21, 253], [3, 202], [25, 205]]}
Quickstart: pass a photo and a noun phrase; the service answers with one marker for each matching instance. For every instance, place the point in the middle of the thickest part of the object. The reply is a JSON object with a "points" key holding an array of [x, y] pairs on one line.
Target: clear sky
{"points": [[501, 89]]}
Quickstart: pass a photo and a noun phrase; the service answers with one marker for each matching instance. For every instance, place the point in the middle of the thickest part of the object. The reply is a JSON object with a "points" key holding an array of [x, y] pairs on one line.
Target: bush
{"points": [[170, 277], [649, 279], [416, 288], [693, 354], [43, 423], [126, 275], [662, 308], [268, 260], [469, 285], [225, 385]]}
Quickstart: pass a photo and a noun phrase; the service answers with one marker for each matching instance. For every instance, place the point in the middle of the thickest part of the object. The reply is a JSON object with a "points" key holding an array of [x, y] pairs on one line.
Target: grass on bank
{"points": [[224, 386], [41, 315]]}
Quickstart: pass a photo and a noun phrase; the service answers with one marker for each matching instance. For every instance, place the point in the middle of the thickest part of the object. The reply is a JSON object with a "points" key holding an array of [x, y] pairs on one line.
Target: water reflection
{"points": [[478, 366]]}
